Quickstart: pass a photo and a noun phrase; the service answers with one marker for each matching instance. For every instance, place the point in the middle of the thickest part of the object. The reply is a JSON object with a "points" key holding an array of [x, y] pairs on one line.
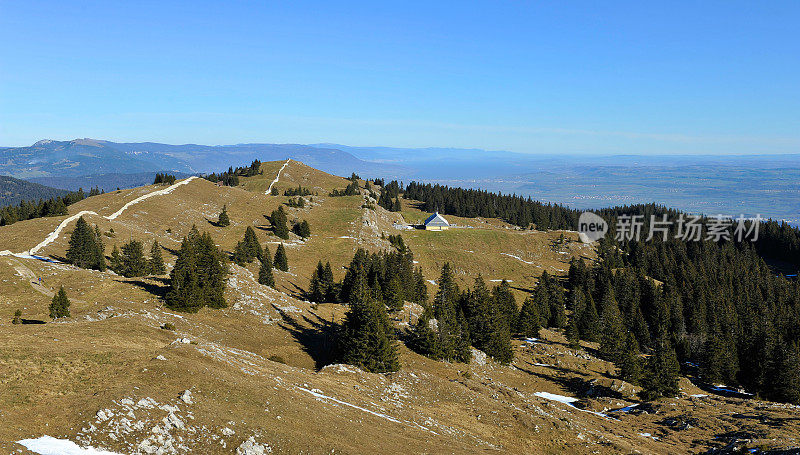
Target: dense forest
{"points": [[28, 210], [13, 191]]}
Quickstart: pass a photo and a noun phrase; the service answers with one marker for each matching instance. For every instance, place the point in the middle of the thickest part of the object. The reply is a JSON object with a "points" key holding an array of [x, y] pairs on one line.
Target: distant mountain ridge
{"points": [[83, 157]]}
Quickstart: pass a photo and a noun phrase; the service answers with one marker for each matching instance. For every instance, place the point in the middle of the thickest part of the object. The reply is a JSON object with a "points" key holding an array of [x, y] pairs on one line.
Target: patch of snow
{"points": [[431, 282], [269, 189], [517, 258], [555, 397], [186, 397], [251, 447], [48, 445]]}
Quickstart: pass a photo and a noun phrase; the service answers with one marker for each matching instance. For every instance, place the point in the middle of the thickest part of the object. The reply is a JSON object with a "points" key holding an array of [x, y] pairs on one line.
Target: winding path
{"points": [[269, 190], [51, 237]]}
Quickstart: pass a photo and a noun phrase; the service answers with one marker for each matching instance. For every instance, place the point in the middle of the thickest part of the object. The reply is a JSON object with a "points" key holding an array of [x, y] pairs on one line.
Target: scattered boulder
{"points": [[251, 447]]}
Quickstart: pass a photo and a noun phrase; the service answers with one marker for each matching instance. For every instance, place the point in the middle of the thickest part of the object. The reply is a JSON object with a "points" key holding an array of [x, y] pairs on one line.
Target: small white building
{"points": [[436, 222]]}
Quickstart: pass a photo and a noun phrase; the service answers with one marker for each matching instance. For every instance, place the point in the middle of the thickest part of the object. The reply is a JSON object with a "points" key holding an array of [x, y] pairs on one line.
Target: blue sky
{"points": [[537, 77]]}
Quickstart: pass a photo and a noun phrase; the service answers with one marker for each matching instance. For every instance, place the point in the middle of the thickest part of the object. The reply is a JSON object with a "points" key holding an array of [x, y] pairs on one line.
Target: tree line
{"points": [[28, 210]]}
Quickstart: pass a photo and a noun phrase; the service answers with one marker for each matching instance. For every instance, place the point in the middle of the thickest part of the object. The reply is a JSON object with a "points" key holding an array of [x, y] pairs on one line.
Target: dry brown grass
{"points": [[54, 377]]}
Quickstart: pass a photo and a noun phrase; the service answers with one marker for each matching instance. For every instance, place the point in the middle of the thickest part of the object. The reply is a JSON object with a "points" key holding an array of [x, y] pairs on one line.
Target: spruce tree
{"points": [[528, 321], [279, 220], [224, 220], [630, 364], [588, 321], [366, 338], [451, 340], [281, 262], [85, 247], [248, 248], [198, 277], [156, 261], [59, 306], [302, 229], [116, 261], [328, 283], [315, 288], [661, 376], [504, 300], [265, 275], [613, 331], [133, 260]]}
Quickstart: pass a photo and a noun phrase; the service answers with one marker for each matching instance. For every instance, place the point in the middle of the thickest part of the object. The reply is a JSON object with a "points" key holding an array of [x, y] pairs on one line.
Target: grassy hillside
{"points": [[110, 377]]}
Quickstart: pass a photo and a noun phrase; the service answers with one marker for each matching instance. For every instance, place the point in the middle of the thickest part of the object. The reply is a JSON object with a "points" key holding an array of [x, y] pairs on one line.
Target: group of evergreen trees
{"points": [[198, 278], [366, 338], [249, 249], [302, 229], [164, 178], [483, 318], [299, 191], [86, 249], [471, 203], [391, 276], [390, 197], [322, 287], [279, 221], [350, 190], [131, 262], [28, 210], [231, 176], [716, 305]]}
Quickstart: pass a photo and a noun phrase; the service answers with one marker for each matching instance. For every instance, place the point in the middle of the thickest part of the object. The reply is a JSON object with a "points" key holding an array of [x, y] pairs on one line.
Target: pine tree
{"points": [[302, 229], [279, 220], [315, 288], [265, 275], [198, 277], [504, 300], [451, 341], [248, 248], [116, 261], [59, 306], [156, 262], [184, 293], [328, 283], [366, 337], [661, 376], [528, 321], [133, 260], [588, 321], [630, 364], [613, 333], [17, 317], [281, 261], [85, 247], [393, 294], [224, 220]]}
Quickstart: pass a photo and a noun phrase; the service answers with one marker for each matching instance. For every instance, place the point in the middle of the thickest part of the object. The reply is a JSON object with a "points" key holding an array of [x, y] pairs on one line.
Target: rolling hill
{"points": [[13, 191], [255, 376]]}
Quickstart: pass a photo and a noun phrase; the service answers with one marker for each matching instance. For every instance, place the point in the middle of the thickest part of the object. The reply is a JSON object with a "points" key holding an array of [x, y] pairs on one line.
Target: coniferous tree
{"points": [[133, 260], [504, 300], [156, 261], [451, 333], [630, 364], [198, 277], [116, 261], [224, 220], [661, 376], [613, 331], [265, 275], [85, 247], [366, 337], [302, 229], [316, 291], [59, 306], [279, 220], [17, 317], [281, 262], [248, 248], [785, 373], [528, 321], [588, 321], [328, 283], [393, 294]]}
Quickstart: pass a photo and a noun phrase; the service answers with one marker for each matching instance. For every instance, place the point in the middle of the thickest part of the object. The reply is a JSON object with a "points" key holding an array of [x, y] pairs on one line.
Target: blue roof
{"points": [[436, 220]]}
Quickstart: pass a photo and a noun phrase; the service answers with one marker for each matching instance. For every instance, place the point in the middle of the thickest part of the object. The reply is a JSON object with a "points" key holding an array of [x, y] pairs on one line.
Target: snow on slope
{"points": [[48, 445]]}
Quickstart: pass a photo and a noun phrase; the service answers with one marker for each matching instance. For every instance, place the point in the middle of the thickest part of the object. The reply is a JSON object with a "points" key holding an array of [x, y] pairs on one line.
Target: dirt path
{"points": [[51, 237], [269, 189]]}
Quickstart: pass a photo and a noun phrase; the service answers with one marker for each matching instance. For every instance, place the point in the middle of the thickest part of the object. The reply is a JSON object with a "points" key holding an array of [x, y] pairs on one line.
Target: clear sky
{"points": [[540, 77]]}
